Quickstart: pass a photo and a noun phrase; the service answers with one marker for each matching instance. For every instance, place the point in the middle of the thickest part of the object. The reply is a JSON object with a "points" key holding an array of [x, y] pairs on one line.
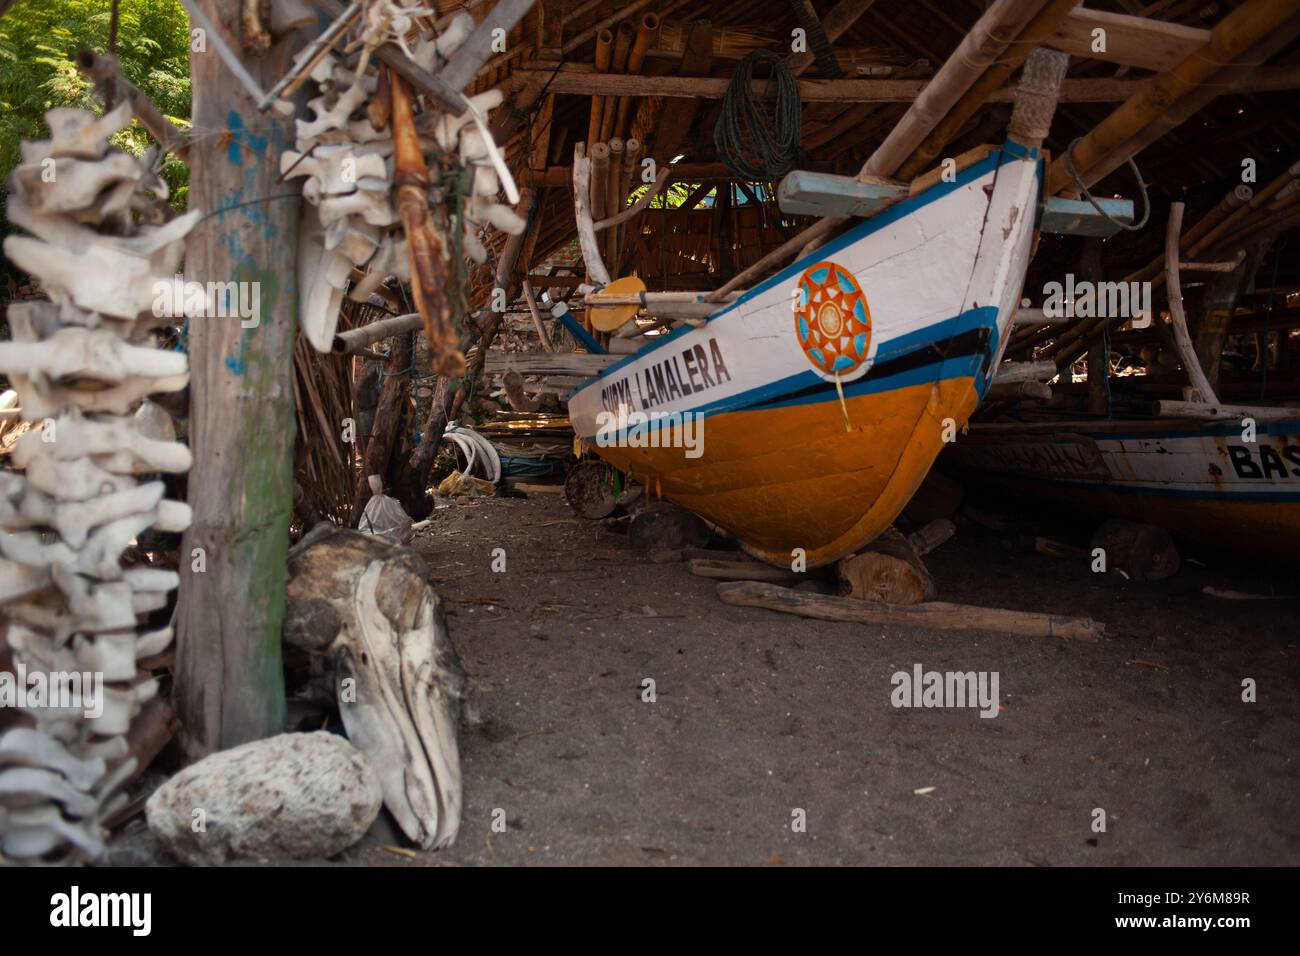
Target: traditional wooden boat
{"points": [[823, 394], [1205, 481]]}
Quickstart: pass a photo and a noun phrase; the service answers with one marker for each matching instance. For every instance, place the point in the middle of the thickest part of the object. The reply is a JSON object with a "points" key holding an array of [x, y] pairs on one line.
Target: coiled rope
{"points": [[751, 144]]}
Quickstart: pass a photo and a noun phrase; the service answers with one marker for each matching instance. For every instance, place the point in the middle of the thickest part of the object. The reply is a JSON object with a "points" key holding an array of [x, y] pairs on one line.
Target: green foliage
{"points": [[672, 197], [39, 41]]}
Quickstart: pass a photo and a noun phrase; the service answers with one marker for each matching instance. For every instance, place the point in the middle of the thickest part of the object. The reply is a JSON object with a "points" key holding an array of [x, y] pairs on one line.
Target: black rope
{"points": [[766, 148]]}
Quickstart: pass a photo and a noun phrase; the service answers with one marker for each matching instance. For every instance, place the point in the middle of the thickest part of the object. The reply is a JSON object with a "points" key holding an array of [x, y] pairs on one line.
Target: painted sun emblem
{"points": [[832, 321]]}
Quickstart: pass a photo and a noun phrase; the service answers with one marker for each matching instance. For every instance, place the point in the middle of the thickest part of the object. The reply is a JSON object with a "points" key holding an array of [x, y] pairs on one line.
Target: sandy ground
{"points": [[758, 714]]}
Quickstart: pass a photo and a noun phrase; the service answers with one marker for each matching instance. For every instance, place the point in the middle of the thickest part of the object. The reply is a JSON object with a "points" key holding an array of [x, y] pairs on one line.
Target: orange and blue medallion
{"points": [[833, 322]]}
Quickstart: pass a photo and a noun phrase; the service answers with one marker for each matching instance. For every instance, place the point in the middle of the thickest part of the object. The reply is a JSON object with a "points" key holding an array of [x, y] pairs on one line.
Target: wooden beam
{"points": [[575, 80], [1131, 41]]}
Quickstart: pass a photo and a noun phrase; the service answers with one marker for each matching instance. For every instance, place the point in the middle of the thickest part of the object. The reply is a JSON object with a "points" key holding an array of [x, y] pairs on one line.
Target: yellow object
{"points": [[792, 477], [608, 318]]}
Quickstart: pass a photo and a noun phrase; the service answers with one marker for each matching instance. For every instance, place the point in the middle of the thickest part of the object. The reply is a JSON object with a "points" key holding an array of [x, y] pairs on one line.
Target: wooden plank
{"points": [[575, 80], [932, 615], [821, 194], [1131, 41], [1075, 217]]}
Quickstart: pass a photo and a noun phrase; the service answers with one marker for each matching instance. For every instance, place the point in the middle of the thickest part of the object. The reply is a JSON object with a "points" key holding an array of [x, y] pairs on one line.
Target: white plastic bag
{"points": [[384, 516]]}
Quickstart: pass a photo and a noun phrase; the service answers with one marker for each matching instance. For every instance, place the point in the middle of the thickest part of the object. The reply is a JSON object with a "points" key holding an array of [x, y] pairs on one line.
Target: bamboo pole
{"points": [[531, 299], [624, 36], [1229, 39], [646, 32], [630, 10], [1243, 213], [355, 340], [614, 203], [604, 53], [993, 79], [599, 162], [987, 40]]}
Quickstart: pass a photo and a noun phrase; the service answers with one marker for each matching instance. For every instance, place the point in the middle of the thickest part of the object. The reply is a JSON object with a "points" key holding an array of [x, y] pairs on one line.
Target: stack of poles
{"points": [[615, 160]]}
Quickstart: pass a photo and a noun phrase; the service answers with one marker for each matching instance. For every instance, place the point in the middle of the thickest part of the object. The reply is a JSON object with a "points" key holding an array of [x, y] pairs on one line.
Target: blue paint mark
{"points": [[236, 365], [241, 138]]}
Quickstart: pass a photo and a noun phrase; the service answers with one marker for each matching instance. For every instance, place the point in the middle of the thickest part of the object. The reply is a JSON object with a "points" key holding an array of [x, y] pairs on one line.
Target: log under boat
{"points": [[823, 394]]}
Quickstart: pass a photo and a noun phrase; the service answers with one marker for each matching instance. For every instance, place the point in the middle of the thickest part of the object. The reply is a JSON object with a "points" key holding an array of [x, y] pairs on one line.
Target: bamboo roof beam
{"points": [[1229, 80], [993, 79], [1229, 39], [987, 40]]}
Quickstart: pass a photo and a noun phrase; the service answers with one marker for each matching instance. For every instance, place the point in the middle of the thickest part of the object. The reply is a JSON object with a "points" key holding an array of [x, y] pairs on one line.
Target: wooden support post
{"points": [[229, 678], [1090, 270]]}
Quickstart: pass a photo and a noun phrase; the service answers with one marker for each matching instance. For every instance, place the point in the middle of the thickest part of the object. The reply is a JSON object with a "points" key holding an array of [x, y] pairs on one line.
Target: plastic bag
{"points": [[384, 516]]}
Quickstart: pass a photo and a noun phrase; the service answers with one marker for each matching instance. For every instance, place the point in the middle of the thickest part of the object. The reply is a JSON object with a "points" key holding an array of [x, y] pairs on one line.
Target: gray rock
{"points": [[293, 796]]}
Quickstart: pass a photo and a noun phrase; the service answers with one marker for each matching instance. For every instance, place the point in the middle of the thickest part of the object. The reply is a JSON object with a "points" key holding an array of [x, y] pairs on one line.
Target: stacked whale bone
{"points": [[351, 220], [82, 365]]}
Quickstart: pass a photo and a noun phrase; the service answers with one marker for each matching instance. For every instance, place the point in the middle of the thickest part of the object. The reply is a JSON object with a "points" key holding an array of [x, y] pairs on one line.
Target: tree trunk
{"points": [[229, 678]]}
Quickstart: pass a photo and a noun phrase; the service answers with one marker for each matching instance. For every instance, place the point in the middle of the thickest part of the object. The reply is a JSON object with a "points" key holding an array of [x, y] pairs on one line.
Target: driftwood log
{"points": [[891, 571], [935, 615], [373, 628]]}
